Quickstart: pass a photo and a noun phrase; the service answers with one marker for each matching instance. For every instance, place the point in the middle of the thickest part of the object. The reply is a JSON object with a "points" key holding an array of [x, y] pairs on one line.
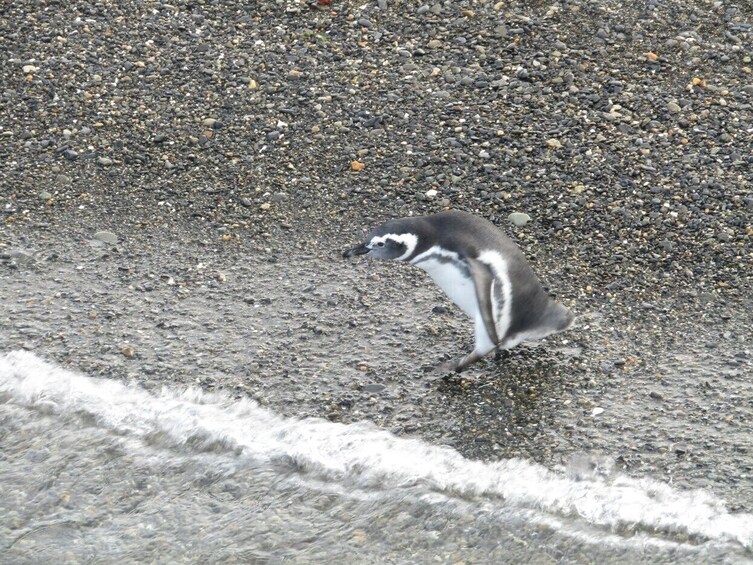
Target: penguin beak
{"points": [[359, 249]]}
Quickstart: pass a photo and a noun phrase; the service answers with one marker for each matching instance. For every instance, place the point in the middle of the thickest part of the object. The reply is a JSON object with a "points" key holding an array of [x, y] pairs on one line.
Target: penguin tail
{"points": [[557, 317]]}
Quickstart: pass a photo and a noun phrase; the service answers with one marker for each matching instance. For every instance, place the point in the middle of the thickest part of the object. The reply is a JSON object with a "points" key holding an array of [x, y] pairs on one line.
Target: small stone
{"points": [[435, 44], [252, 84], [208, 122], [266, 206], [363, 22], [431, 193], [374, 387], [656, 395], [359, 537], [29, 69], [519, 219], [484, 154], [44, 195], [295, 73], [70, 154], [553, 143], [104, 161], [597, 411], [106, 237], [63, 180], [356, 166], [673, 108]]}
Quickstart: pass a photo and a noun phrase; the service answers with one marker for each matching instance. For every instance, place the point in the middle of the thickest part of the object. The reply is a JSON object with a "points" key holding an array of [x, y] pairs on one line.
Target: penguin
{"points": [[480, 269]]}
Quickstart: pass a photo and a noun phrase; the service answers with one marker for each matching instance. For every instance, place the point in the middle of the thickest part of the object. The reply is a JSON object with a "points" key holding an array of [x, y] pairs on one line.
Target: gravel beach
{"points": [[178, 181]]}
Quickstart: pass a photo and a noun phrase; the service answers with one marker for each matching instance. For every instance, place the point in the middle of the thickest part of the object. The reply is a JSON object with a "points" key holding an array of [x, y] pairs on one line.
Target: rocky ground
{"points": [[178, 181]]}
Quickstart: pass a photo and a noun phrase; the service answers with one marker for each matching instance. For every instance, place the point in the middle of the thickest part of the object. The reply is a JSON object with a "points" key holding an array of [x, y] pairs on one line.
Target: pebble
{"points": [[673, 107], [29, 69], [44, 195], [70, 154], [554, 143], [106, 237], [374, 387], [104, 161], [519, 219]]}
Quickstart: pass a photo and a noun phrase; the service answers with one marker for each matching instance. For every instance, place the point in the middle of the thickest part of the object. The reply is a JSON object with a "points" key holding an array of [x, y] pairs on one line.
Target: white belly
{"points": [[459, 288]]}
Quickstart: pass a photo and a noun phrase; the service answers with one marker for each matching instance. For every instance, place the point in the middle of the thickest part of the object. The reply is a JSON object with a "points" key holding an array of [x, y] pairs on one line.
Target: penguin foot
{"points": [[501, 354], [447, 368]]}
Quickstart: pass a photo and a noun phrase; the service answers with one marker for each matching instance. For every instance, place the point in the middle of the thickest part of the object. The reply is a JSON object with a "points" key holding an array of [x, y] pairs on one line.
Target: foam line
{"points": [[363, 456]]}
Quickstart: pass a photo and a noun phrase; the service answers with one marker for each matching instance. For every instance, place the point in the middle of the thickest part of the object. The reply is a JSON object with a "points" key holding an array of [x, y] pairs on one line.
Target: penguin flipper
{"points": [[483, 279]]}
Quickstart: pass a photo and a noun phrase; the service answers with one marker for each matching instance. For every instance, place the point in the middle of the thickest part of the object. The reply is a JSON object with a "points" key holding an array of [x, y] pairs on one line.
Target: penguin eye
{"points": [[380, 244]]}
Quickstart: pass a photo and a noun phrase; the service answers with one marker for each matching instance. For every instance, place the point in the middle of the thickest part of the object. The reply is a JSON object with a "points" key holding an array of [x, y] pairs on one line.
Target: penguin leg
{"points": [[458, 364], [484, 346]]}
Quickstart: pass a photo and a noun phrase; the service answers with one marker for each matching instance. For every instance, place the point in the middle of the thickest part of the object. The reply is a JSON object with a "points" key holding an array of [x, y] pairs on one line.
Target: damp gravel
{"points": [[178, 181]]}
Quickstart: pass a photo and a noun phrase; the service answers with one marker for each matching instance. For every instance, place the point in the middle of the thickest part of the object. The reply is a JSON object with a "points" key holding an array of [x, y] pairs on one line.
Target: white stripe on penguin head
{"points": [[408, 239]]}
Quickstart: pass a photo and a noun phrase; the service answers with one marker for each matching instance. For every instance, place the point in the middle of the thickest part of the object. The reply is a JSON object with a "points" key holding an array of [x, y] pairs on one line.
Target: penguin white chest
{"points": [[456, 283]]}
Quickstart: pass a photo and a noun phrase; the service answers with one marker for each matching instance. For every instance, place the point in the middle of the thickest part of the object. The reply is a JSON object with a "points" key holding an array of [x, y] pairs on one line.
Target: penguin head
{"points": [[387, 244]]}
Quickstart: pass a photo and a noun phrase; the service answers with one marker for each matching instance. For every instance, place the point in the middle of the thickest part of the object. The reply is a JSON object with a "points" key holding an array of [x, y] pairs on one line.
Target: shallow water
{"points": [[92, 469]]}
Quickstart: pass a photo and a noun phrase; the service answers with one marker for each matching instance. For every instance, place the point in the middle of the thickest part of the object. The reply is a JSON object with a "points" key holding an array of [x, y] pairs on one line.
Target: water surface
{"points": [[92, 469]]}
